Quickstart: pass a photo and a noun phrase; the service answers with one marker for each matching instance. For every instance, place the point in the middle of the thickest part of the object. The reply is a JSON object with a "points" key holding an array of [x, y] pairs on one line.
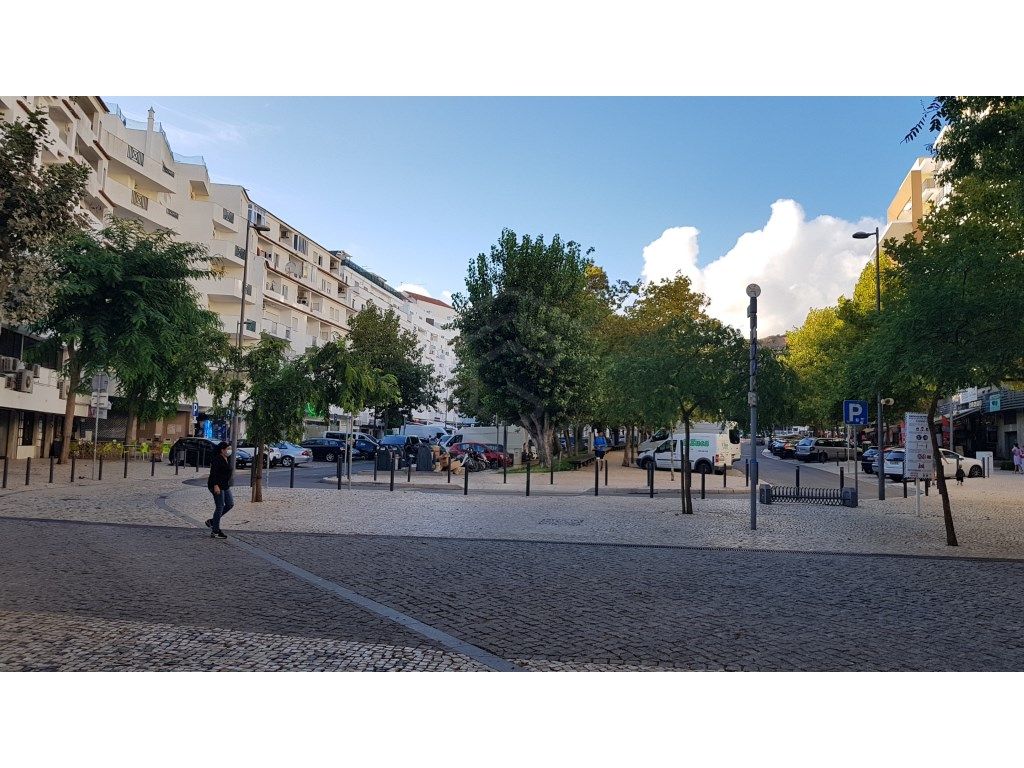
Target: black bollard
{"points": [[904, 487], [650, 479], [394, 464], [725, 476], [291, 475], [177, 462], [597, 475], [72, 470], [101, 467], [374, 467], [797, 475], [840, 477], [927, 483], [504, 471], [339, 470], [126, 464], [152, 466], [703, 476], [552, 480], [408, 466], [449, 469], [4, 485], [28, 469], [528, 477], [199, 460], [51, 467], [465, 481], [746, 473], [606, 473]]}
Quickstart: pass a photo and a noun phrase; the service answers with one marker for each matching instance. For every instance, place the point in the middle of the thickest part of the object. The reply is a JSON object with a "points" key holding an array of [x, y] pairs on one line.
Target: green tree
{"points": [[524, 332], [37, 204], [377, 340], [123, 303]]}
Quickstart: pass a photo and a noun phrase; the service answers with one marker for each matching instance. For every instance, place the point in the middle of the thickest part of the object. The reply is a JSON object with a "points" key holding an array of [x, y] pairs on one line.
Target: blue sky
{"points": [[413, 188]]}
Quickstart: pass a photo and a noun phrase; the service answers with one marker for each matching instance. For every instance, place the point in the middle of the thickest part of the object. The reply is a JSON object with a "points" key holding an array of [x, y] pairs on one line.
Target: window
{"points": [[28, 429], [300, 244], [257, 215]]}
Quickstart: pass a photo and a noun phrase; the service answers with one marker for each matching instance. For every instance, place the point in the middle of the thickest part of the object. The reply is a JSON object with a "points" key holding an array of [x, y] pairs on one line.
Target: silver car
{"points": [[293, 454], [824, 449]]}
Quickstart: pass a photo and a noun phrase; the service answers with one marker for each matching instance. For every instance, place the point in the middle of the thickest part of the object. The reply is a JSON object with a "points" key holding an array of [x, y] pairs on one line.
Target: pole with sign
{"points": [[855, 413], [918, 455]]}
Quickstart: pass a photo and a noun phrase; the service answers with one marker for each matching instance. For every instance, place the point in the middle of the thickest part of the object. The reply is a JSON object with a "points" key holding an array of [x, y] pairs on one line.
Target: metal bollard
{"points": [[449, 469], [177, 462], [797, 475], [4, 485], [650, 480], [465, 481], [703, 475], [101, 467], [725, 476], [552, 480], [126, 464], [504, 470], [291, 475], [746, 473], [927, 484], [152, 466], [72, 470], [374, 467], [394, 464], [606, 473], [840, 477], [339, 470], [528, 477], [597, 475], [51, 467], [201, 459], [904, 487], [408, 466], [28, 469]]}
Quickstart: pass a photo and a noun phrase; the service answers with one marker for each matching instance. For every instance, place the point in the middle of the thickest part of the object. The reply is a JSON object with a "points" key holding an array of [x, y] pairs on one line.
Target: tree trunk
{"points": [[577, 434], [626, 448], [940, 477], [685, 469], [74, 379], [257, 483]]}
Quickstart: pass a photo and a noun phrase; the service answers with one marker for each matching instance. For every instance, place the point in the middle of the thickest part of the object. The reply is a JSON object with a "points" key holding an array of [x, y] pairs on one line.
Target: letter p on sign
{"points": [[855, 411]]}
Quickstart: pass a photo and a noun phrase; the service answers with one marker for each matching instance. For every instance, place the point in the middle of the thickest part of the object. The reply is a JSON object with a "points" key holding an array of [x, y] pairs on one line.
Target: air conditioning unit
{"points": [[35, 371], [8, 364], [24, 382], [62, 389], [9, 382]]}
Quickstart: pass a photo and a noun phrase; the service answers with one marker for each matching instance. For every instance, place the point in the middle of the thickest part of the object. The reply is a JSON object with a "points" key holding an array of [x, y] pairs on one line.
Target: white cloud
{"points": [[446, 297], [414, 288], [798, 263]]}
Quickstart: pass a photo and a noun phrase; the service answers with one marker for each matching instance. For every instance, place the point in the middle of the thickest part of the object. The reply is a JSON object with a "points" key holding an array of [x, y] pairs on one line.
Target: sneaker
{"points": [[209, 523], [217, 535]]}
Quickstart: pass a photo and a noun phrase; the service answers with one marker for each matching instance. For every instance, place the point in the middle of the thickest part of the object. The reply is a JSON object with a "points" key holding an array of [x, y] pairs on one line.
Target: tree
{"points": [[524, 332], [123, 303], [37, 204], [376, 339]]}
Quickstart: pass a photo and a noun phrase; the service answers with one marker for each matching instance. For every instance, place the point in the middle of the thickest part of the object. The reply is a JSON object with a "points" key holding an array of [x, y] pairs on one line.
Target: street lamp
{"points": [[753, 291], [241, 324], [878, 308]]}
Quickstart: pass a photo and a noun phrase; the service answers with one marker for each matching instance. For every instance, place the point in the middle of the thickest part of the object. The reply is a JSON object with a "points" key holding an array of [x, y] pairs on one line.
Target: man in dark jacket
{"points": [[220, 486]]}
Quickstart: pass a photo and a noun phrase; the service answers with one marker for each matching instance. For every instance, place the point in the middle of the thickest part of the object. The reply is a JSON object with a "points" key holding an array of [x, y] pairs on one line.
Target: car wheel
{"points": [[329, 456], [974, 472], [287, 461]]}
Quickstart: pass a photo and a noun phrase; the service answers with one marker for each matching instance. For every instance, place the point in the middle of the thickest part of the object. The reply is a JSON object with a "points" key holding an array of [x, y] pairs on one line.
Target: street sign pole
{"points": [[753, 291]]}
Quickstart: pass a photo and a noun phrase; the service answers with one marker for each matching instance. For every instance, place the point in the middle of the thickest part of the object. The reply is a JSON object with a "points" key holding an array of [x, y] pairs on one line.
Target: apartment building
{"points": [[431, 320]]}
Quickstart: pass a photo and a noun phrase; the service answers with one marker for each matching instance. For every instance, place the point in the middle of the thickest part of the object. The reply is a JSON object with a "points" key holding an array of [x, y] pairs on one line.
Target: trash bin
{"points": [[55, 448], [383, 460], [764, 493], [849, 497], [425, 458]]}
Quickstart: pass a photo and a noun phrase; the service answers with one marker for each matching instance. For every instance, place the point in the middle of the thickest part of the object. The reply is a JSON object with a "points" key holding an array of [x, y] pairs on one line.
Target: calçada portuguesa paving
{"points": [[121, 575]]}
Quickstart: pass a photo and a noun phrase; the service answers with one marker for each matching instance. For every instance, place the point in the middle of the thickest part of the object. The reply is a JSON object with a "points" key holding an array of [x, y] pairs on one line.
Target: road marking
{"points": [[438, 636]]}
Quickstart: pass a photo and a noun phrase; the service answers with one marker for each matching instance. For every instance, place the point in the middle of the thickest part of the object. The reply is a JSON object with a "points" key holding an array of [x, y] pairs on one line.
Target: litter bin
{"points": [[849, 497], [55, 448], [384, 460], [764, 493], [425, 458]]}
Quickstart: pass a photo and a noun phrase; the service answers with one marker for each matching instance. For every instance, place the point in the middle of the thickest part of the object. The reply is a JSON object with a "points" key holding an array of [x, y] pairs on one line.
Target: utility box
{"points": [[764, 493], [425, 458], [849, 497]]}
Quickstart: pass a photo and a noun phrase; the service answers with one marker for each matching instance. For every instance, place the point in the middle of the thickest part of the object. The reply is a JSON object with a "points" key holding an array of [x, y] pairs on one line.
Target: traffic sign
{"points": [[918, 454], [855, 411], [195, 410]]}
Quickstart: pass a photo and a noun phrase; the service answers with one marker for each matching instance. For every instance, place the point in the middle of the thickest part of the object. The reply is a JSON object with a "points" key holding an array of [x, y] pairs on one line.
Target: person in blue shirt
{"points": [[600, 445]]}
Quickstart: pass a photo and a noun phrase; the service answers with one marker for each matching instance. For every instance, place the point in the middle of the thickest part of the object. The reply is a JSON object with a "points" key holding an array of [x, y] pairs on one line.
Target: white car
{"points": [[246, 451], [292, 453], [894, 464]]}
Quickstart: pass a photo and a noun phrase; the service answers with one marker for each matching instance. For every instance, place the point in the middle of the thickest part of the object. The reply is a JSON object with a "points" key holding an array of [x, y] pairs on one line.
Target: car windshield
{"points": [[393, 440], [807, 441], [894, 456]]}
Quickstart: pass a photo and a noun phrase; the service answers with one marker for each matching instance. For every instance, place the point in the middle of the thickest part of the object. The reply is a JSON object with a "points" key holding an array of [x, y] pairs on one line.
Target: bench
{"points": [[582, 461]]}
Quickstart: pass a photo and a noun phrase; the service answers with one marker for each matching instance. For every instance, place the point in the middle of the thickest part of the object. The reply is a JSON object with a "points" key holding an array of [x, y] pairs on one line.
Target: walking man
{"points": [[220, 486], [600, 445]]}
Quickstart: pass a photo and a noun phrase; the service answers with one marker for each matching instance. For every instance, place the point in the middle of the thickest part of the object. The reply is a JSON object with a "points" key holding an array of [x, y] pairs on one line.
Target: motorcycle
{"points": [[474, 461]]}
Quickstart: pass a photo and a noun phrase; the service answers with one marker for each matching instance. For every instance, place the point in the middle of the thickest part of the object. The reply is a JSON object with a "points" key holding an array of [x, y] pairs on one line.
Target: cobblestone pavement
{"points": [[96, 596], [579, 605]]}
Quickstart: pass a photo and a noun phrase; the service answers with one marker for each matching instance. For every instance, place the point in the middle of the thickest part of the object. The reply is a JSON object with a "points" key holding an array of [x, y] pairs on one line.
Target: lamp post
{"points": [[878, 408], [241, 324], [753, 291]]}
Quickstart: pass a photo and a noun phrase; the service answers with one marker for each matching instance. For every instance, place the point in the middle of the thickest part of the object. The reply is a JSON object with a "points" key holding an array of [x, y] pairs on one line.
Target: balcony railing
{"points": [[240, 252], [136, 155], [229, 216], [172, 214], [248, 289], [168, 171], [140, 200]]}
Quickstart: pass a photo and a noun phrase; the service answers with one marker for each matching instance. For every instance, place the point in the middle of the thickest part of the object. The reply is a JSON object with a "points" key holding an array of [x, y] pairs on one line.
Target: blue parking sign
{"points": [[855, 411]]}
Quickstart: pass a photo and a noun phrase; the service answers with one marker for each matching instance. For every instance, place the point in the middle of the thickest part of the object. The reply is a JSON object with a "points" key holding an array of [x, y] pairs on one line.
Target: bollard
{"points": [[152, 466], [650, 478], [927, 483], [746, 473], [552, 460], [703, 475], [51, 467], [904, 487], [339, 470], [394, 464], [465, 481], [4, 485], [291, 475], [202, 455], [449, 469], [605, 473], [374, 467], [840, 477], [797, 475], [597, 475], [126, 464], [725, 476], [28, 469], [408, 465], [504, 470], [72, 470], [177, 462], [528, 477], [101, 467]]}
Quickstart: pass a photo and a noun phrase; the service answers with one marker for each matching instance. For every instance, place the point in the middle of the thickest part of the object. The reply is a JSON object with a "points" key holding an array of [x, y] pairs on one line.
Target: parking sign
{"points": [[855, 411]]}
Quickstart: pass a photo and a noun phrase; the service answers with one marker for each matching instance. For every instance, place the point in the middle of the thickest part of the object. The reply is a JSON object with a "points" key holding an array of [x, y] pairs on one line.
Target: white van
{"points": [[701, 427], [423, 431], [709, 451]]}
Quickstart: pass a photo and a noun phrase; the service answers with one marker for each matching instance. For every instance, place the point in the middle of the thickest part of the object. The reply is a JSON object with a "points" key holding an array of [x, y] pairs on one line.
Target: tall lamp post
{"points": [[753, 291], [249, 226], [878, 408]]}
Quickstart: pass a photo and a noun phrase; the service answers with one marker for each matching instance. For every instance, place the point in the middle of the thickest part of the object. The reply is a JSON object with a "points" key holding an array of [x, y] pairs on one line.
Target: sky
{"points": [[726, 190]]}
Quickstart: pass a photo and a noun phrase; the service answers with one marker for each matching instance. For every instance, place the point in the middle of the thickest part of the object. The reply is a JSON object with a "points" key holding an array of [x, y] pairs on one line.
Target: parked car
{"points": [[195, 451], [365, 447], [497, 456], [324, 448], [778, 445], [293, 454], [459, 450], [405, 445], [270, 451], [971, 467], [824, 449]]}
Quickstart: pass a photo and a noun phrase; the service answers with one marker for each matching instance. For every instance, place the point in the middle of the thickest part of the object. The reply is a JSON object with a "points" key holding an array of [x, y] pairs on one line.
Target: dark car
{"points": [[364, 448], [405, 445], [868, 460], [324, 448], [193, 451]]}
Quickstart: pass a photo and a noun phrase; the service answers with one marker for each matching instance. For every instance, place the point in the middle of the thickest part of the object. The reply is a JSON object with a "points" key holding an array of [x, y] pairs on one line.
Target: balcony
{"points": [[136, 204], [145, 171], [275, 292], [225, 219], [229, 324], [225, 289], [227, 252]]}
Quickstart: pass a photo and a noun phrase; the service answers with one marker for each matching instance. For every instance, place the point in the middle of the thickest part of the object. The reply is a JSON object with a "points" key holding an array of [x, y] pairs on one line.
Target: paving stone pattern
{"points": [[572, 606]]}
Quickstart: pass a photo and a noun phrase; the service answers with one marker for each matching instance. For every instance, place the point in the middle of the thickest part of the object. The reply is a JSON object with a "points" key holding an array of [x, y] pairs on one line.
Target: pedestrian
{"points": [[959, 474], [219, 484], [1016, 458], [600, 445]]}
